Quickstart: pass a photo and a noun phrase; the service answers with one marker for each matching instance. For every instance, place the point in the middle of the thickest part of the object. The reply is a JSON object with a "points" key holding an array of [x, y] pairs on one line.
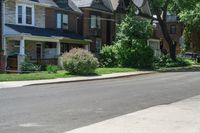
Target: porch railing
{"points": [[45, 61]]}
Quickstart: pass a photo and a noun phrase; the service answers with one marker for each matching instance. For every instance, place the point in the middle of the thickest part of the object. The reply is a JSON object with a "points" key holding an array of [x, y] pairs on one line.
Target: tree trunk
{"points": [[172, 45]]}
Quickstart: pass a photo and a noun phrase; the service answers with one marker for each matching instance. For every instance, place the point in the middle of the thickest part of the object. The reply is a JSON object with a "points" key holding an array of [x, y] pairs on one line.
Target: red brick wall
{"points": [[175, 37], [102, 34], [51, 19]]}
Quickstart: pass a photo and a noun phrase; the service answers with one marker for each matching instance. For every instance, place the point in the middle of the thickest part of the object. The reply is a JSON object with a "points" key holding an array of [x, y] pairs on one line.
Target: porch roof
{"points": [[43, 32]]}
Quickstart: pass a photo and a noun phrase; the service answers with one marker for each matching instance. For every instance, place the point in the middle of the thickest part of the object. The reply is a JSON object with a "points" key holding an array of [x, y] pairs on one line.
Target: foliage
{"points": [[191, 18], [131, 45], [108, 56], [52, 69], [166, 61], [28, 66], [80, 61], [160, 9], [139, 56]]}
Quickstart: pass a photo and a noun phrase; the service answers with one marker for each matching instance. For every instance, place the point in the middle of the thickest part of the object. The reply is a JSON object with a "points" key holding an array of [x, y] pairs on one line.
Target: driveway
{"points": [[62, 107]]}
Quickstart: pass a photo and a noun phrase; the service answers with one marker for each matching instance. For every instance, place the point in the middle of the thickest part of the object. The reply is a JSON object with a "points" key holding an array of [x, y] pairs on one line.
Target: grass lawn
{"points": [[60, 74]]}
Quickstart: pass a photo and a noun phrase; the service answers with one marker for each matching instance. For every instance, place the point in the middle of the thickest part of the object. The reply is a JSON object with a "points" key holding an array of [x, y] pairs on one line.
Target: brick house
{"points": [[39, 30], [175, 28], [94, 24], [98, 22]]}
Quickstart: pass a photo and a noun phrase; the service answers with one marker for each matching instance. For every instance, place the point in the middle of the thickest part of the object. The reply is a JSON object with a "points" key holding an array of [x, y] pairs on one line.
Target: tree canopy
{"points": [[160, 9]]}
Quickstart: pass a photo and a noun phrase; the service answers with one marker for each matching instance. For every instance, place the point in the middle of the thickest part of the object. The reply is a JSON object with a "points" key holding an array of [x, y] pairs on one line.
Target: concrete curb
{"points": [[14, 84], [95, 78]]}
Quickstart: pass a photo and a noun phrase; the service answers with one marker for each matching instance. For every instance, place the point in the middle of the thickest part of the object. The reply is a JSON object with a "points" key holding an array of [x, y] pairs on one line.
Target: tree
{"points": [[131, 42], [159, 9], [191, 20]]}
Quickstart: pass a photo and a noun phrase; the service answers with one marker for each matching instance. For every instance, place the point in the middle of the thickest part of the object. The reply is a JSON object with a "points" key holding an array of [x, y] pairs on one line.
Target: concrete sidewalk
{"points": [[11, 84], [180, 117]]}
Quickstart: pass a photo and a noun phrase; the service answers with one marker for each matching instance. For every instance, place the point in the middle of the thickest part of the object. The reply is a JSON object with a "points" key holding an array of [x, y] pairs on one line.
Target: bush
{"points": [[80, 61], [166, 61], [52, 69], [138, 55], [108, 56], [28, 66]]}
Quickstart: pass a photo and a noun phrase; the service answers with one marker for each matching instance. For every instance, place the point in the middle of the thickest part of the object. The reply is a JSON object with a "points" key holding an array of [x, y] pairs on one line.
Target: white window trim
{"points": [[58, 20], [59, 24], [24, 14]]}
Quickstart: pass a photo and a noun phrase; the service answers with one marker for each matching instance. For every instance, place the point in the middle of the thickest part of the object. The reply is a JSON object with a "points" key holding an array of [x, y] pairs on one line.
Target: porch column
{"points": [[21, 56], [58, 48], [22, 47]]}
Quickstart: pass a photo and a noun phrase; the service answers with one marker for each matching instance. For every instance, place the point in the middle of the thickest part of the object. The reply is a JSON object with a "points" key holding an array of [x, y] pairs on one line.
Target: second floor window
{"points": [[25, 14], [62, 21], [95, 22]]}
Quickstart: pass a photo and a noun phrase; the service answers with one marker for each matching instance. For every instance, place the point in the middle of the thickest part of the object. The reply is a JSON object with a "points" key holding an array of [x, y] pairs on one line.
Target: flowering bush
{"points": [[80, 61]]}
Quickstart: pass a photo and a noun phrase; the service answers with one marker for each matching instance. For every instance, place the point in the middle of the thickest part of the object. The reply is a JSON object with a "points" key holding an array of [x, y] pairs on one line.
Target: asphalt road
{"points": [[62, 107]]}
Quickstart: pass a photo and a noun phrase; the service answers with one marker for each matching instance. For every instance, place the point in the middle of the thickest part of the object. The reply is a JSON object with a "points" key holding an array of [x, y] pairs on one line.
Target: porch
{"points": [[38, 50]]}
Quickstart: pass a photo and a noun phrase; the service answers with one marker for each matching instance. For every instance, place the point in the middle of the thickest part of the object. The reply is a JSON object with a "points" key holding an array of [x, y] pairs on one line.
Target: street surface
{"points": [[58, 108]]}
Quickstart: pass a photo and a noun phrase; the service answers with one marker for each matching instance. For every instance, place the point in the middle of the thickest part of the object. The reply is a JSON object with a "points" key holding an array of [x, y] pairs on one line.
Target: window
{"points": [[172, 29], [28, 15], [62, 21], [25, 14], [19, 14], [65, 21], [95, 22], [59, 19]]}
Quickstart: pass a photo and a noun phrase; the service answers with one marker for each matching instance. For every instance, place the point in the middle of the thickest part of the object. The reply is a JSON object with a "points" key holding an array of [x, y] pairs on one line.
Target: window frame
{"points": [[97, 21], [61, 21], [24, 14]]}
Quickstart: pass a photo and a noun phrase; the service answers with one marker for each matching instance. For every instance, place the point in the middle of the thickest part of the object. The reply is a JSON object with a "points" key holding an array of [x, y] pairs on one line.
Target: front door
{"points": [[39, 51], [98, 46]]}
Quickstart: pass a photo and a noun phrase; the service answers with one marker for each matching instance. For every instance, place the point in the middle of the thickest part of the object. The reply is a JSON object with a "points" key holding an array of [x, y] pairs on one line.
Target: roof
{"points": [[92, 4], [34, 31], [68, 5], [114, 4]]}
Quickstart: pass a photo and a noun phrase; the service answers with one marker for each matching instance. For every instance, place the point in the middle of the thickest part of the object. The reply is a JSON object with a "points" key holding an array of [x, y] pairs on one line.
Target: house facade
{"points": [[39, 31], [175, 28], [98, 21]]}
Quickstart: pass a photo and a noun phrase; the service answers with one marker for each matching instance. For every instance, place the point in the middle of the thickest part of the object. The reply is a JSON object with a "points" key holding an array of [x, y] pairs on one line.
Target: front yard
{"points": [[60, 74]]}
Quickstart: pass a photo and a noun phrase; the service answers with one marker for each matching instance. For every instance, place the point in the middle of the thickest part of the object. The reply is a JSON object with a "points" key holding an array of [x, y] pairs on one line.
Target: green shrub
{"points": [[108, 56], [52, 69], [138, 55], [80, 61], [166, 61], [28, 66]]}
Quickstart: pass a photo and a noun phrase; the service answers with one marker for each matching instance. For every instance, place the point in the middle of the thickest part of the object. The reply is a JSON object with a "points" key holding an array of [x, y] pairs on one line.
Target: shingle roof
{"points": [[64, 4], [67, 5], [45, 32], [91, 4]]}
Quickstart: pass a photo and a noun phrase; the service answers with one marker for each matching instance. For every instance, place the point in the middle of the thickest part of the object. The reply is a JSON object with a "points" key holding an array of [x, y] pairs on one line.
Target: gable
{"points": [[99, 5]]}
